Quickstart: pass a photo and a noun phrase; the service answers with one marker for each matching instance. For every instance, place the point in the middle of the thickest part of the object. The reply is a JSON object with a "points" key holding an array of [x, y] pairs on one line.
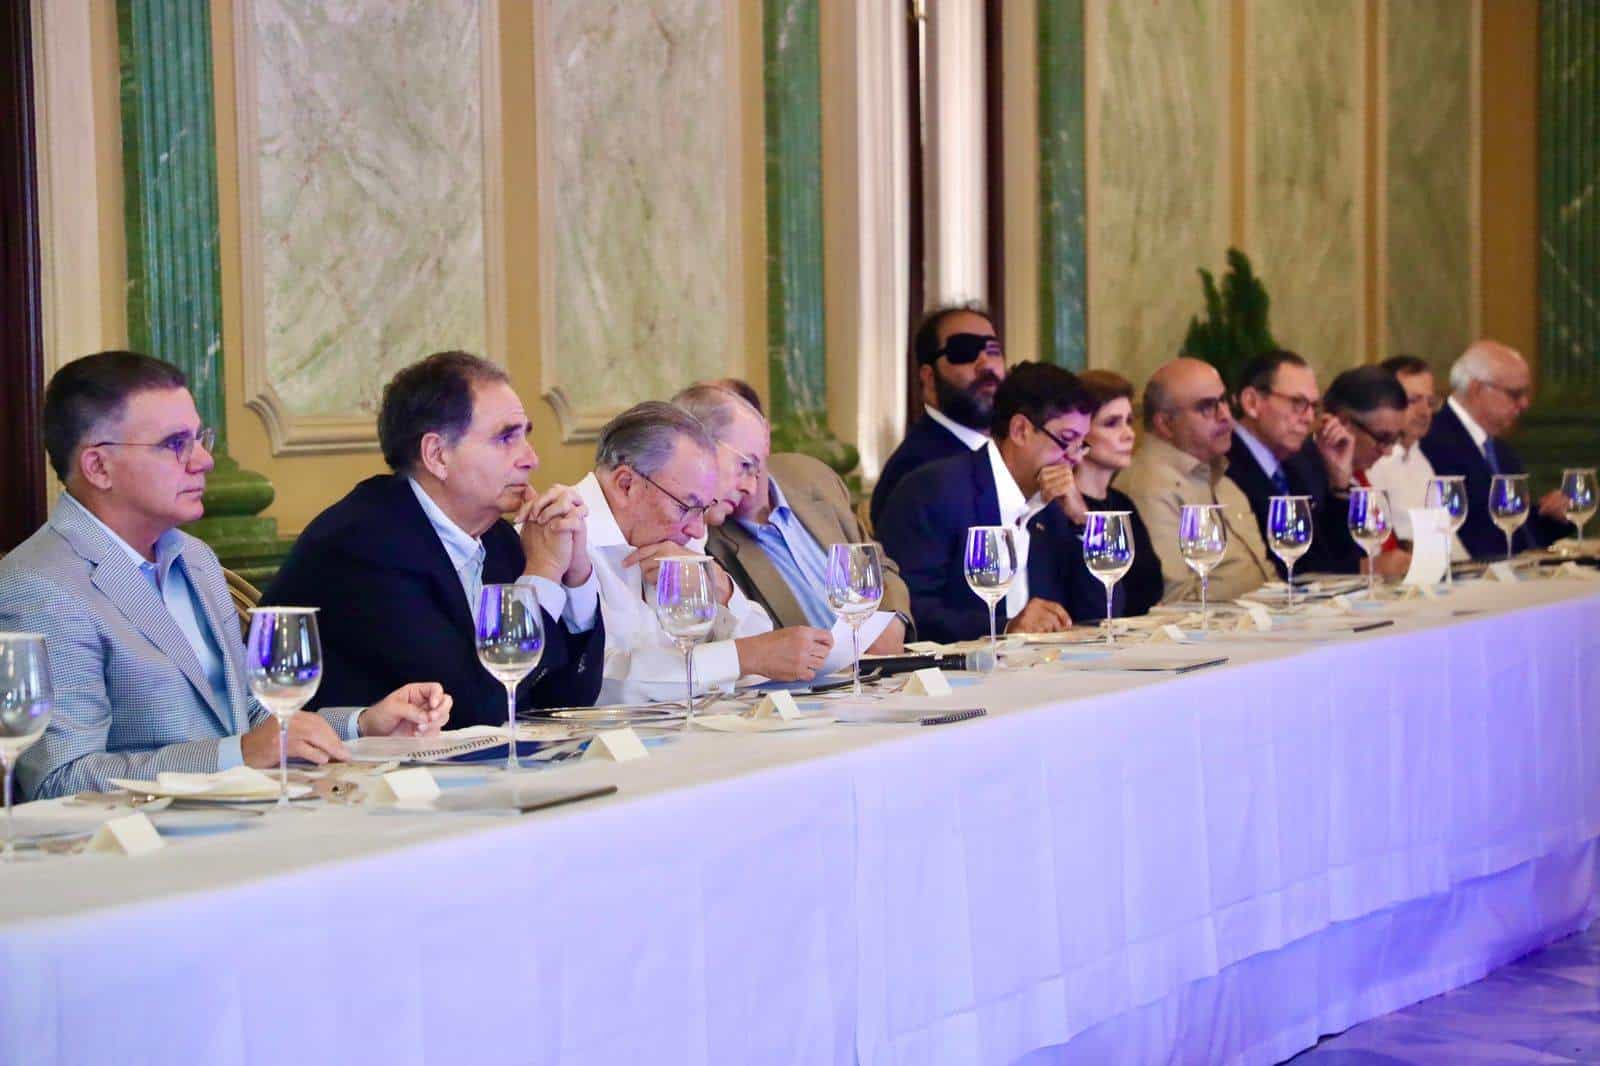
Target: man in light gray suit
{"points": [[144, 647]]}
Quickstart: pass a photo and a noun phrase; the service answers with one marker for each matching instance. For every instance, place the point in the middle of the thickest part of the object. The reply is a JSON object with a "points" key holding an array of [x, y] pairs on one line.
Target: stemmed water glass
{"points": [[1289, 532], [855, 588], [990, 563], [283, 663], [1508, 505], [1449, 493], [1370, 526], [25, 703], [1108, 553], [686, 606], [509, 633], [1578, 486], [1202, 541]]}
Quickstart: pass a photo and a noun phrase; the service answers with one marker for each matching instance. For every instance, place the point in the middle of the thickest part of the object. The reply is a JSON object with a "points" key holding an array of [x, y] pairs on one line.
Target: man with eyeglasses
{"points": [[1283, 445], [146, 657], [1490, 387], [960, 365], [1371, 404], [656, 477], [1403, 474], [1181, 460], [773, 538], [397, 566], [1041, 416]]}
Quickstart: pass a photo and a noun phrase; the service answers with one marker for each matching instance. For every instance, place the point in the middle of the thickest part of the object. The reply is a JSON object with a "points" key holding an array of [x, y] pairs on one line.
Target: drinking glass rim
{"points": [[22, 636], [1198, 506], [1124, 513], [689, 557], [972, 529], [1576, 470], [1511, 477], [282, 610], [1290, 497]]}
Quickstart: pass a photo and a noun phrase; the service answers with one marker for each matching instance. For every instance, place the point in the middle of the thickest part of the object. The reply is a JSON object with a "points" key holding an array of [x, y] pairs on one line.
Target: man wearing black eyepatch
{"points": [[960, 365]]}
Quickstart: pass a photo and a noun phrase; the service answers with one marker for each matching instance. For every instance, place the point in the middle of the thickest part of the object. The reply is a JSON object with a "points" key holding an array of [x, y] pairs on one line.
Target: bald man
{"points": [[1490, 387], [1189, 432]]}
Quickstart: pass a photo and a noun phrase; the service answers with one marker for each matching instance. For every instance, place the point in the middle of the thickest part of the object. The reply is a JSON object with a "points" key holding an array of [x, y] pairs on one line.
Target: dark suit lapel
{"points": [[414, 546]]}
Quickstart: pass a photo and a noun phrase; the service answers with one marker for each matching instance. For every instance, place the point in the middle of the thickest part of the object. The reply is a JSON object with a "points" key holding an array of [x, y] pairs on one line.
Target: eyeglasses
{"points": [[963, 348], [1298, 404], [1072, 448], [1208, 408], [181, 445], [1382, 440], [685, 510], [1514, 395], [748, 466]]}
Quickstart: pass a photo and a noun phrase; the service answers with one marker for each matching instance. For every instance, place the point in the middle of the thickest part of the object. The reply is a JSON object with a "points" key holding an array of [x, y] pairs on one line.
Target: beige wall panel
{"points": [[1305, 191], [1157, 146]]}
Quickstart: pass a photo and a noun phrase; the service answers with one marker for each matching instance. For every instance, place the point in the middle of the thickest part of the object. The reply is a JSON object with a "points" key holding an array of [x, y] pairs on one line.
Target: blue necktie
{"points": [[1489, 454], [1280, 481]]}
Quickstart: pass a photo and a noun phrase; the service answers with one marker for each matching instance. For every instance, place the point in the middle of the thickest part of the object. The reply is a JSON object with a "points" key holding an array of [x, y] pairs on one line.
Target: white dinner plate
{"points": [[151, 788]]}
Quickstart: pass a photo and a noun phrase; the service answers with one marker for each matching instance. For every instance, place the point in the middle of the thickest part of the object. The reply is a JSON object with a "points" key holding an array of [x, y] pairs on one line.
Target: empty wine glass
{"points": [[855, 588], [1289, 532], [283, 663], [25, 703], [1578, 486], [1449, 492], [1108, 553], [1202, 541], [509, 632], [686, 606], [1508, 505], [1370, 526], [990, 563]]}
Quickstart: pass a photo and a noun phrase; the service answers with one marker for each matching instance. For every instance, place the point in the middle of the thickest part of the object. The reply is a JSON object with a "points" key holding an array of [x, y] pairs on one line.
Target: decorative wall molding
{"points": [[294, 432], [635, 374]]}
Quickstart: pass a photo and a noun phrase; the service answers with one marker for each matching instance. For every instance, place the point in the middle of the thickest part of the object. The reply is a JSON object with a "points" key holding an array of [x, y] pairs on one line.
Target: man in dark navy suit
{"points": [[1490, 387], [959, 367], [1041, 415], [396, 566], [1284, 446]]}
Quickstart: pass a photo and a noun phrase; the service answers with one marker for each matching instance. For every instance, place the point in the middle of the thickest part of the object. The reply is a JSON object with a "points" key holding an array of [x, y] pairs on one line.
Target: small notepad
{"points": [[616, 745], [132, 834], [928, 682]]}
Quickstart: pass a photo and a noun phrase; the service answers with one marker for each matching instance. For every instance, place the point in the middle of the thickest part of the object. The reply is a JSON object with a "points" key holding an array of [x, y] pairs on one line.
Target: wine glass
{"points": [[25, 703], [1578, 486], [1508, 505], [283, 663], [1108, 553], [990, 563], [1202, 541], [509, 633], [1449, 492], [687, 609], [1289, 532], [855, 588], [1370, 526]]}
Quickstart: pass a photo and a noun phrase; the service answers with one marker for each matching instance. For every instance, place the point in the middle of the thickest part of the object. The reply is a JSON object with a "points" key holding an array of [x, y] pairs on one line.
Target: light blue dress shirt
{"points": [[576, 607], [1263, 455], [797, 556]]}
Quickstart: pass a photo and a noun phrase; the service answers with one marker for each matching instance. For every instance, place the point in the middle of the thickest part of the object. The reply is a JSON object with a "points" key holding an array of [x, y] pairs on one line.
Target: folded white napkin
{"points": [[239, 781]]}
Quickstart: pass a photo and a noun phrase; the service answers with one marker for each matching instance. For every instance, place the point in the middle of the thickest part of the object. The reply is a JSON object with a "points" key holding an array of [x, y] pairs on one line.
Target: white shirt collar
{"points": [[972, 438], [1477, 432], [1013, 505], [462, 547], [603, 530], [1263, 454]]}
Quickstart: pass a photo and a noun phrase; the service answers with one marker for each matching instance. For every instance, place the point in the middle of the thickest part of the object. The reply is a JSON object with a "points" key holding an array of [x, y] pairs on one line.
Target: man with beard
{"points": [[960, 365]]}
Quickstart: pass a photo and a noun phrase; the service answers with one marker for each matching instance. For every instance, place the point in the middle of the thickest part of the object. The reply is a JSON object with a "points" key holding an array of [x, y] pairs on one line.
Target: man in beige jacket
{"points": [[1189, 430]]}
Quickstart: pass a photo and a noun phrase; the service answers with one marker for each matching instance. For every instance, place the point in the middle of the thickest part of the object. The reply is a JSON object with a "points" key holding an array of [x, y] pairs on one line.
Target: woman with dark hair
{"points": [[1109, 448]]}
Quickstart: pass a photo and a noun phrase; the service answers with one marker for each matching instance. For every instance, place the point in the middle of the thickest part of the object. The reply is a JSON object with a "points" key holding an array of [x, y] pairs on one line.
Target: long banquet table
{"points": [[1215, 867]]}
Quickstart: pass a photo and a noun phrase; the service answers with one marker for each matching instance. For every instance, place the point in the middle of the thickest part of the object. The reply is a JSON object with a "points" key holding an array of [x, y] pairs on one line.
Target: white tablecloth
{"points": [[1211, 867]]}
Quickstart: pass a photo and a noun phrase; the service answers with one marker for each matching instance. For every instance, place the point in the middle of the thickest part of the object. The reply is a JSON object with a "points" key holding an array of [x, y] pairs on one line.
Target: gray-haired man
{"points": [[655, 477]]}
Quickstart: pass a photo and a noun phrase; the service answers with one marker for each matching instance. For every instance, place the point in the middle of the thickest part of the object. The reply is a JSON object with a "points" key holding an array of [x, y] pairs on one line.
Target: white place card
{"points": [[929, 682], [778, 704], [132, 834], [1503, 572], [1260, 617], [414, 785], [616, 745], [1343, 602], [1430, 546], [1174, 634]]}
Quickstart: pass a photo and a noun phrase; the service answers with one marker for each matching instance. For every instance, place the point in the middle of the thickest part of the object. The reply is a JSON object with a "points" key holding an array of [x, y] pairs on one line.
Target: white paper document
{"points": [[839, 655], [1430, 548]]}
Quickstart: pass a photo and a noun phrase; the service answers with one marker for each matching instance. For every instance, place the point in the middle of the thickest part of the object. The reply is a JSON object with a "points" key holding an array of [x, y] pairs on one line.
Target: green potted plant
{"points": [[1234, 329]]}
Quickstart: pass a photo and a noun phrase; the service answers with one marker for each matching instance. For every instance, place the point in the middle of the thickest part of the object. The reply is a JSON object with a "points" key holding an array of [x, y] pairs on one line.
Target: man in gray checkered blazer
{"points": [[145, 653]]}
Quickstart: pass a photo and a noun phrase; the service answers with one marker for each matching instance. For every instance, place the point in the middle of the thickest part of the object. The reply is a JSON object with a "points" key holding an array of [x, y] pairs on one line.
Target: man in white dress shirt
{"points": [[656, 474], [1404, 473]]}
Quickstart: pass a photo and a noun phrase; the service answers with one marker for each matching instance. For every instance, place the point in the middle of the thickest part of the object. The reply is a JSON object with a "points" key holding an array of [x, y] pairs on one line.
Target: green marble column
{"points": [[1564, 428], [792, 55], [174, 281], [1063, 279]]}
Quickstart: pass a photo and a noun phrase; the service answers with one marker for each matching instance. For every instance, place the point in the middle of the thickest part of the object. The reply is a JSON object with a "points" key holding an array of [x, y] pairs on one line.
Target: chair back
{"points": [[244, 596]]}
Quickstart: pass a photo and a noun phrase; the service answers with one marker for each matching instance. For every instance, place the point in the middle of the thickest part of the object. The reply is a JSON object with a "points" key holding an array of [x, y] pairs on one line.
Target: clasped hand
{"points": [[555, 543]]}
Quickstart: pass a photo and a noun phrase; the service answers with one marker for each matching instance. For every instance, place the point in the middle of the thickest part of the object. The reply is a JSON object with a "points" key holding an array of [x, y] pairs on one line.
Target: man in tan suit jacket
{"points": [[771, 532]]}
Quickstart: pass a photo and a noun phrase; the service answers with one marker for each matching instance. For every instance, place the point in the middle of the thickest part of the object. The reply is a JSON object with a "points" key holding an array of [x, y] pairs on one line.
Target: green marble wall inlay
{"points": [[793, 95], [1062, 280]]}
